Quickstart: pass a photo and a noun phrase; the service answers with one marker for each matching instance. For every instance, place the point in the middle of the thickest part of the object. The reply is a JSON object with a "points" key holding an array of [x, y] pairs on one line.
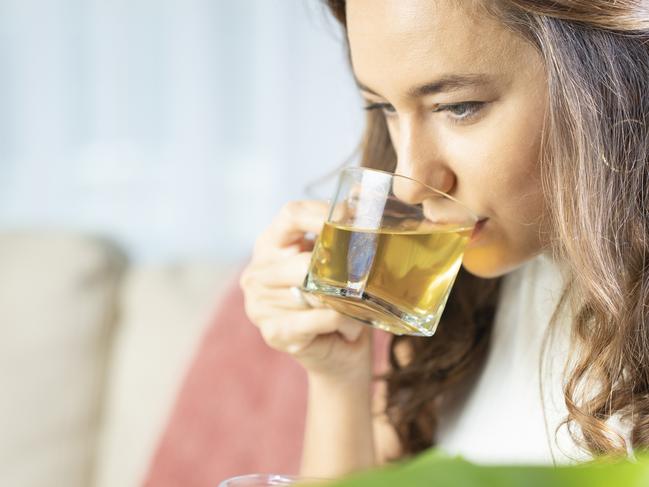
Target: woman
{"points": [[535, 114]]}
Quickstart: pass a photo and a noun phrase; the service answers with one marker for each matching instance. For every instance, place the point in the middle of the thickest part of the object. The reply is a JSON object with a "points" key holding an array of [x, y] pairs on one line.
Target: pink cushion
{"points": [[240, 410]]}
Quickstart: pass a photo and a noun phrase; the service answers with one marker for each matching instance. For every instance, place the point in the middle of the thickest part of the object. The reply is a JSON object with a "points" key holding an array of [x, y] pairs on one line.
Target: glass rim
{"points": [[282, 478], [434, 190]]}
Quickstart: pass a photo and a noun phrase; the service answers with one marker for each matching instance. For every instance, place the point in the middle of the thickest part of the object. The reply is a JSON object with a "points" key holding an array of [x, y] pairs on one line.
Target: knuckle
{"points": [[294, 205], [260, 245], [337, 319], [251, 311], [291, 208], [247, 280], [247, 305], [271, 334], [244, 280]]}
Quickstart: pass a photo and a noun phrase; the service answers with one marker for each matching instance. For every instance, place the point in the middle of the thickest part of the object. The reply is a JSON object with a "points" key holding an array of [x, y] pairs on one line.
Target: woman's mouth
{"points": [[477, 229]]}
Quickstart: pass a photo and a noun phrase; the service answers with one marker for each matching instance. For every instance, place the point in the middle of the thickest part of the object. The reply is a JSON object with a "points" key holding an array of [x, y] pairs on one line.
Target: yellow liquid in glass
{"points": [[396, 280]]}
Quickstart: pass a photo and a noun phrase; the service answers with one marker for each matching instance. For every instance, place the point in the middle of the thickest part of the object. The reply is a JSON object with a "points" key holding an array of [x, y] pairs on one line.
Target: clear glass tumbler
{"points": [[264, 480], [389, 251]]}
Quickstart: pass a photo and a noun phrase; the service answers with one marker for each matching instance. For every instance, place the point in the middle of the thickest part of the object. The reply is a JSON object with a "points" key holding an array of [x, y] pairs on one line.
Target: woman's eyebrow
{"points": [[446, 83]]}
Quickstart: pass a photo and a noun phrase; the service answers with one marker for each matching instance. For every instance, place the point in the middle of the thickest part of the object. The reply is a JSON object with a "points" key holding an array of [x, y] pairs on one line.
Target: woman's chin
{"points": [[488, 263]]}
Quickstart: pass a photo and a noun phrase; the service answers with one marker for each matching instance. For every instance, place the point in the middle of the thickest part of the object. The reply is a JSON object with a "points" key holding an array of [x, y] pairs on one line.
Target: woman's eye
{"points": [[386, 108], [461, 111]]}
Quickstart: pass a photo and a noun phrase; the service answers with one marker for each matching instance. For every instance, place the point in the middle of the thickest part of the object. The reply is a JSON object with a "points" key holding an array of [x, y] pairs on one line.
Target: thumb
{"points": [[351, 329]]}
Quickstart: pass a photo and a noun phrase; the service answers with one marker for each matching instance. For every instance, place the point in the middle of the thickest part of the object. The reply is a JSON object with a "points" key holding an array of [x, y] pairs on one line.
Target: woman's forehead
{"points": [[421, 38], [404, 16]]}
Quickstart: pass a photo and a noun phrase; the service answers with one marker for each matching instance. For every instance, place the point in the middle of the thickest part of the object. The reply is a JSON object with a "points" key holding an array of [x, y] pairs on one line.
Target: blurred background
{"points": [[173, 130], [176, 127]]}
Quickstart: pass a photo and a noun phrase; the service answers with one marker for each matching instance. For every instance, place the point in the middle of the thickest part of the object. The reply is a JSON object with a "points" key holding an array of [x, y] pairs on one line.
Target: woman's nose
{"points": [[419, 158]]}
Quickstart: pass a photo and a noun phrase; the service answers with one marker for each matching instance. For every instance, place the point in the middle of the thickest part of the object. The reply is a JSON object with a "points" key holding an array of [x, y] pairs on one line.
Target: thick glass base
{"points": [[374, 311]]}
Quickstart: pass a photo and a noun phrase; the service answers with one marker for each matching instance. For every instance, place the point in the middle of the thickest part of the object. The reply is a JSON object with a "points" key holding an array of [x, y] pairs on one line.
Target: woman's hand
{"points": [[328, 344]]}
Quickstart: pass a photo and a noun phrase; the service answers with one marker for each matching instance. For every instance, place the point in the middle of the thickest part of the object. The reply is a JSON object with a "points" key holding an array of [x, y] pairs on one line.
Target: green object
{"points": [[436, 469]]}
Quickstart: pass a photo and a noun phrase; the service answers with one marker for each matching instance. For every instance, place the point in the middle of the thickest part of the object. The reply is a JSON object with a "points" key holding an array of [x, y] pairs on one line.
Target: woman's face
{"points": [[464, 99]]}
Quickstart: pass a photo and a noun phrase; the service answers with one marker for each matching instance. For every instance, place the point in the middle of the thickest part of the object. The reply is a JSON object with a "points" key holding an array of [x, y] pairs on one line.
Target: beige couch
{"points": [[92, 353]]}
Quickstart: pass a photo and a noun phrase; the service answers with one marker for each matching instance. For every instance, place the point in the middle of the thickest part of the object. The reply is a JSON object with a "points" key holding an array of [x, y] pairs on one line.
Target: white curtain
{"points": [[178, 127]]}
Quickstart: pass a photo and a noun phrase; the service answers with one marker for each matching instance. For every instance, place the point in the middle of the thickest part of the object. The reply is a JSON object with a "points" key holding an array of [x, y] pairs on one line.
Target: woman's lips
{"points": [[477, 229]]}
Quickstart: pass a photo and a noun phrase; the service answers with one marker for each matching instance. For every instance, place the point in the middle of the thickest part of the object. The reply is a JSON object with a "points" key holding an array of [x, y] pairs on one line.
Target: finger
{"points": [[351, 329], [287, 272], [300, 328], [293, 298], [322, 346], [294, 220]]}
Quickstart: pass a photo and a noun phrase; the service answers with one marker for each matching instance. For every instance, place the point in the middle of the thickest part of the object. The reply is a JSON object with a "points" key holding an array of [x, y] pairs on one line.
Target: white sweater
{"points": [[499, 417]]}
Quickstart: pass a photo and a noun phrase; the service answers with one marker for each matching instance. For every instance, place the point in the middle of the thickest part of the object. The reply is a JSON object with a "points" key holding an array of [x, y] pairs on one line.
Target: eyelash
{"points": [[473, 108]]}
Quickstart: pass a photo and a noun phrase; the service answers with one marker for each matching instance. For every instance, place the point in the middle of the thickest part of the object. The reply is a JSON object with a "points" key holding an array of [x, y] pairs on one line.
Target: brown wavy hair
{"points": [[595, 164]]}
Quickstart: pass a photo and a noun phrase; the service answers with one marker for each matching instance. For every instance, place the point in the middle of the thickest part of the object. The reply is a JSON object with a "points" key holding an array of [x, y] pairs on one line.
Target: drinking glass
{"points": [[263, 480], [389, 251]]}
